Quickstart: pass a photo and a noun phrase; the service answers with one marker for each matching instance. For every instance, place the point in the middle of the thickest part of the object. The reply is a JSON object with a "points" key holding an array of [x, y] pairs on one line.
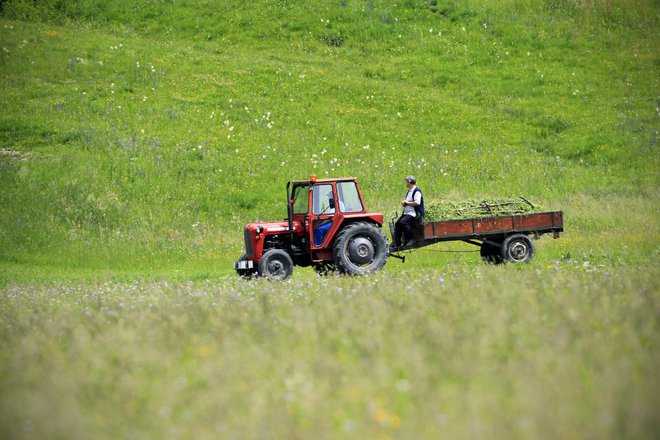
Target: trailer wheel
{"points": [[245, 273], [360, 248], [491, 254], [518, 248], [275, 265]]}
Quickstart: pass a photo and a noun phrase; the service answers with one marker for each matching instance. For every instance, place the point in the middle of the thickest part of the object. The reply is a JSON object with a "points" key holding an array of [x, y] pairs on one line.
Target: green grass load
{"points": [[478, 208]]}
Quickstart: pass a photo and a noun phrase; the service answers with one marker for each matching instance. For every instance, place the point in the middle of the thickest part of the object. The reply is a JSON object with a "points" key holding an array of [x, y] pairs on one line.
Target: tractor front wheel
{"points": [[360, 248], [275, 265]]}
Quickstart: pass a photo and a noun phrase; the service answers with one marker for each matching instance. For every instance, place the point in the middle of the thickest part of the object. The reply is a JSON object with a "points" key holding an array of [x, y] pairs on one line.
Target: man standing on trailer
{"points": [[413, 213]]}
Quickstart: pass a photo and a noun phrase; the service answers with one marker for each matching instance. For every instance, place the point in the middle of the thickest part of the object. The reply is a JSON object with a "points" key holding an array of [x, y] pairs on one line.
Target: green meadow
{"points": [[137, 138]]}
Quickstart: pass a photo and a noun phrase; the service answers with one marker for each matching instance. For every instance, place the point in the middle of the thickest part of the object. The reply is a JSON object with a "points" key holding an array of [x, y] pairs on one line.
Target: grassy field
{"points": [[137, 138], [563, 352]]}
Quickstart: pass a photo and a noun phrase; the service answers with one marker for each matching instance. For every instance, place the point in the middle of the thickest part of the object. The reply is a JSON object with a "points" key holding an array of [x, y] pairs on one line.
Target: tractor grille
{"points": [[248, 242]]}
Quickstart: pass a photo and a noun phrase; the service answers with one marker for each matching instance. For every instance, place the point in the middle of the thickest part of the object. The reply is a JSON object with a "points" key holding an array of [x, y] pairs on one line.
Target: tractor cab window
{"points": [[321, 199], [300, 198], [349, 198]]}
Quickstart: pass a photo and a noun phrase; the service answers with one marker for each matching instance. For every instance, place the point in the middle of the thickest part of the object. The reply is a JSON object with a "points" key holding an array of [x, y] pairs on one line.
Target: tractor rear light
{"points": [[312, 178]]}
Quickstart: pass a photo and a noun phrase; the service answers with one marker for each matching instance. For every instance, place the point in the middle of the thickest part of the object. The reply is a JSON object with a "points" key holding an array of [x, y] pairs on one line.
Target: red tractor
{"points": [[328, 227]]}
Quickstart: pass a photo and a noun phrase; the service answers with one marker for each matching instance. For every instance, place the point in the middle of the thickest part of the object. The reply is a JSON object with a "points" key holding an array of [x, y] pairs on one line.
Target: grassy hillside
{"points": [[145, 134]]}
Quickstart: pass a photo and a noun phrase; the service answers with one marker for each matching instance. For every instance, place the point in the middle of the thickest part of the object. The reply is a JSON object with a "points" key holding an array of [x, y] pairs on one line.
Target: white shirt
{"points": [[410, 210]]}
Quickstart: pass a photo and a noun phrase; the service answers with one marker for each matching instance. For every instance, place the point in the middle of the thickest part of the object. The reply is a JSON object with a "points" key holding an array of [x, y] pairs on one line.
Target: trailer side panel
{"points": [[493, 225], [446, 229], [541, 223]]}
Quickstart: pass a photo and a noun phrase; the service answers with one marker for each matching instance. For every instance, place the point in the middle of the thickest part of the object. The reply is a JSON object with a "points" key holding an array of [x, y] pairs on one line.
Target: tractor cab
{"points": [[318, 211]]}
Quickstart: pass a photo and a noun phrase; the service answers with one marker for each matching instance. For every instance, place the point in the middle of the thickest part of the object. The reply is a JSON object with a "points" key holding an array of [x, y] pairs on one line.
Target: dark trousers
{"points": [[404, 226]]}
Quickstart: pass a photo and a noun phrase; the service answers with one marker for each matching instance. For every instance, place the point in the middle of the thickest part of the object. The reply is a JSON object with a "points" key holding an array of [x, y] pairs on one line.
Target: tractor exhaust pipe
{"points": [[289, 207]]}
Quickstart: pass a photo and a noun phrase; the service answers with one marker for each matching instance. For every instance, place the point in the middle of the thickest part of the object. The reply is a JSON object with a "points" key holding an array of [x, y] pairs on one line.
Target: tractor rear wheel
{"points": [[360, 248], [275, 265], [517, 248]]}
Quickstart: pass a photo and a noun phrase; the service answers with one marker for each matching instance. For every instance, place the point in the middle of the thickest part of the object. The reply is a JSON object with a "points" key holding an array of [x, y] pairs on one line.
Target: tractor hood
{"points": [[270, 228]]}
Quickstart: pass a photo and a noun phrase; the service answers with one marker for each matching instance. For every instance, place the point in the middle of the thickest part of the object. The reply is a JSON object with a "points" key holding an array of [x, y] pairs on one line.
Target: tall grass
{"points": [[561, 352]]}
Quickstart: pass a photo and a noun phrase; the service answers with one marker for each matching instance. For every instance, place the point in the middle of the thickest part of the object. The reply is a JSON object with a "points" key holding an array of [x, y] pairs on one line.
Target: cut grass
{"points": [[465, 209]]}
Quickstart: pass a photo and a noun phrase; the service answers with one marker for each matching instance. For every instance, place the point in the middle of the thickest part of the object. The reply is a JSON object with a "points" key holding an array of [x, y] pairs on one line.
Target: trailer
{"points": [[501, 239]]}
